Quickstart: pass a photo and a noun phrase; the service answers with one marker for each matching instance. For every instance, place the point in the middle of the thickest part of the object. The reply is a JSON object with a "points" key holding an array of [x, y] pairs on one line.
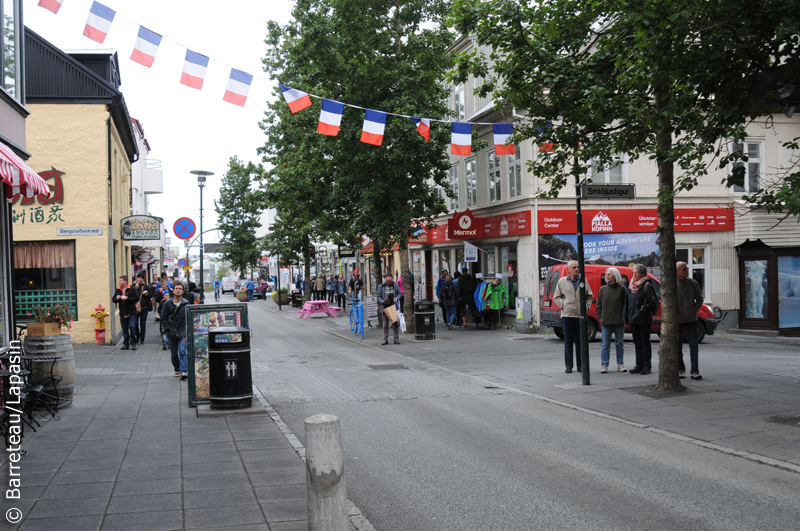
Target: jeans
{"points": [[250, 295], [341, 301], [619, 333], [572, 336], [143, 324], [641, 341], [178, 348], [689, 331], [129, 326], [451, 314], [331, 296]]}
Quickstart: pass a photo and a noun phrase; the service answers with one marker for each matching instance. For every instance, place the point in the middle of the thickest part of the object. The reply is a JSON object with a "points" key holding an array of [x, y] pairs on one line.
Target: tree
{"points": [[669, 80], [238, 210], [381, 55]]}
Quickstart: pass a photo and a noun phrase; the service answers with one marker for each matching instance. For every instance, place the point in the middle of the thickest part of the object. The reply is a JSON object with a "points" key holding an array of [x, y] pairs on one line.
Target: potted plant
{"points": [[47, 321], [283, 293], [241, 295]]}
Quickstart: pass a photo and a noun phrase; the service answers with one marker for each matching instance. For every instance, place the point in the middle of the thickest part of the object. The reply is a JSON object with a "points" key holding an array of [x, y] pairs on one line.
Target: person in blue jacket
{"points": [[250, 287], [439, 285]]}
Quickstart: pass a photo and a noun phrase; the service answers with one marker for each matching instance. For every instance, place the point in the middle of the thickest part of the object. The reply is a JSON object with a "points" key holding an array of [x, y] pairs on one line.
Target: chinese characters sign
{"points": [[47, 214]]}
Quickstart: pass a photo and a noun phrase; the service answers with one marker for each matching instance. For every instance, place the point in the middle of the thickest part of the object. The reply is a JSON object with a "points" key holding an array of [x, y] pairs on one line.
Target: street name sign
{"points": [[608, 191]]}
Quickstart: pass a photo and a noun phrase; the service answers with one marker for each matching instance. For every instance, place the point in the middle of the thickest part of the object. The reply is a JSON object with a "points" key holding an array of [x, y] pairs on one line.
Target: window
{"points": [[695, 256], [753, 150], [454, 187], [494, 177], [616, 174], [9, 40], [472, 183], [515, 174], [44, 274], [459, 100]]}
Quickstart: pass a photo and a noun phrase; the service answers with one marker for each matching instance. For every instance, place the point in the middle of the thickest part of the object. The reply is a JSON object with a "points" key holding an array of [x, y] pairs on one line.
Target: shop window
{"points": [[789, 291], [756, 289], [614, 173], [454, 187], [44, 274], [508, 266], [752, 150], [695, 256], [494, 177], [460, 263], [472, 183], [515, 174], [491, 264]]}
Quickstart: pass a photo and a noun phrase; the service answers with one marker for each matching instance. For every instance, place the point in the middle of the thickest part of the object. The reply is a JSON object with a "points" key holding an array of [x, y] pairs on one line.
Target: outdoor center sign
{"points": [[634, 220], [141, 228]]}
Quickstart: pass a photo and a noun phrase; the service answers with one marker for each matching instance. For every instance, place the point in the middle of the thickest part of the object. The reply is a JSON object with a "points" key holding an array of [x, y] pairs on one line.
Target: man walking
{"points": [[690, 299], [466, 290], [320, 287], [355, 285], [126, 297], [567, 297], [611, 302], [173, 315], [145, 303], [163, 294], [250, 287], [387, 293], [439, 295]]}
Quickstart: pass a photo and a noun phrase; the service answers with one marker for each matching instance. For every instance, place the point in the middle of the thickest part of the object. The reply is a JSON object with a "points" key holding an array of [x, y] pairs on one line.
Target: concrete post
{"points": [[327, 496]]}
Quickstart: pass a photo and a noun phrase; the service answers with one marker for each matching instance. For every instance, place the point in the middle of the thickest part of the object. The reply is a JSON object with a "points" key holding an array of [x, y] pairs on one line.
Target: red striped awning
{"points": [[19, 177], [369, 248]]}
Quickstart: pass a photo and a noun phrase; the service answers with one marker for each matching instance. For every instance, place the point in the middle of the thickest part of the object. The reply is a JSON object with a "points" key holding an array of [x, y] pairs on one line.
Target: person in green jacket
{"points": [[496, 298]]}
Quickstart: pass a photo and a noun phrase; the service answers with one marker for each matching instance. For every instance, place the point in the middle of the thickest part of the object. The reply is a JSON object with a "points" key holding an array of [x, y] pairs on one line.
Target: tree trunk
{"points": [[408, 287], [307, 268], [376, 262], [669, 350]]}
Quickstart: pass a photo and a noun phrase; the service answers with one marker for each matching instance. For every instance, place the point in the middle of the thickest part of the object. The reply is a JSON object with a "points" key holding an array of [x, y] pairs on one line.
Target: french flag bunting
{"points": [[461, 139], [194, 70], [238, 87], [296, 99], [423, 127], [99, 22], [51, 5], [374, 126], [502, 132], [144, 51], [330, 117]]}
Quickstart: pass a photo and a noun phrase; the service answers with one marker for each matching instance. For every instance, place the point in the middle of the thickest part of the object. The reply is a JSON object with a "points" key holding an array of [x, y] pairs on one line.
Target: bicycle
{"points": [[356, 317], [216, 294]]}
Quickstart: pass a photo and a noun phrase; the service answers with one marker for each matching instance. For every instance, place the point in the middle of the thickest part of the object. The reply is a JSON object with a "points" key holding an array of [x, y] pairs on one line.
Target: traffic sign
{"points": [[187, 267], [184, 228], [608, 191], [182, 263]]}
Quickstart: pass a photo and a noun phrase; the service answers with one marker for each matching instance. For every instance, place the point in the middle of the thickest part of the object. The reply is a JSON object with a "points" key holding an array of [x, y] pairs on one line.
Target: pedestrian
{"points": [[641, 305], [145, 304], [451, 298], [320, 286], [567, 298], [250, 287], [356, 285], [126, 297], [690, 299], [164, 277], [163, 294], [439, 284], [387, 293], [340, 289], [173, 315], [466, 290], [330, 287], [612, 300]]}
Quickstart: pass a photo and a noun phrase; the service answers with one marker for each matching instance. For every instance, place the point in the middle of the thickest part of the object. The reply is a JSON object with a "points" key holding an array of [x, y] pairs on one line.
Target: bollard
{"points": [[327, 496]]}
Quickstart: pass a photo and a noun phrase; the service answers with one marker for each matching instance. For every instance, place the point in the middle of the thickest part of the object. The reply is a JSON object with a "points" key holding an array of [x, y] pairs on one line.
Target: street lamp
{"points": [[201, 182]]}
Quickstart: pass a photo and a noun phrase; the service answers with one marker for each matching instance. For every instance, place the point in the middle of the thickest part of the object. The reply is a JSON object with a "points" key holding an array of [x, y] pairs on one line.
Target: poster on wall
{"points": [[200, 319]]}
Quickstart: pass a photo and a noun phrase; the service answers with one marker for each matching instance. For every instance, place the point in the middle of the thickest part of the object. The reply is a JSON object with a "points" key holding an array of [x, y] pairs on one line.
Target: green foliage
{"points": [[57, 313], [238, 210], [223, 271]]}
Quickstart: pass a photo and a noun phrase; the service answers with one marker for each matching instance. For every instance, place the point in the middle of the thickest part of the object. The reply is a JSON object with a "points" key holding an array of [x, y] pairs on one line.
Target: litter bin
{"points": [[297, 298], [230, 383], [424, 320]]}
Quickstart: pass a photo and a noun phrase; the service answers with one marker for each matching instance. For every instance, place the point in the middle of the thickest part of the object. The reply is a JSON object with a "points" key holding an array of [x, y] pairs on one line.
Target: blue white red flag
{"points": [[417, 229], [423, 127], [194, 70], [51, 5], [461, 139], [296, 99], [238, 87], [330, 117], [502, 132], [144, 51], [374, 126], [99, 22]]}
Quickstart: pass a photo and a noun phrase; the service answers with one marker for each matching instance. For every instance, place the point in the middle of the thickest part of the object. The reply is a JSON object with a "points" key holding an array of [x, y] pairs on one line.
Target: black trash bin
{"points": [[230, 383], [297, 298], [424, 320]]}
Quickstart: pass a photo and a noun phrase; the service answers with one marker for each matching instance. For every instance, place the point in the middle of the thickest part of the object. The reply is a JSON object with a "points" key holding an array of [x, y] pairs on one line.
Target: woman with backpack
{"points": [[642, 304], [450, 296]]}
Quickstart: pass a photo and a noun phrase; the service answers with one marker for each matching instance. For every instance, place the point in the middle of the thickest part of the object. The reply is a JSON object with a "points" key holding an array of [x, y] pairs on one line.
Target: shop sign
{"points": [[141, 228], [79, 231], [169, 262], [634, 220], [608, 191], [470, 252], [144, 257], [464, 225], [345, 251], [514, 224]]}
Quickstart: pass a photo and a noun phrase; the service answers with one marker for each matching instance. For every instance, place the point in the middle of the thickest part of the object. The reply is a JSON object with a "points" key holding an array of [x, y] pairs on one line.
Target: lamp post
{"points": [[201, 182]]}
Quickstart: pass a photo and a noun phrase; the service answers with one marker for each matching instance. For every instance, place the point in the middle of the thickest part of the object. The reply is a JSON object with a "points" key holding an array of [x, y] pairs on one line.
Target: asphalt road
{"points": [[431, 448]]}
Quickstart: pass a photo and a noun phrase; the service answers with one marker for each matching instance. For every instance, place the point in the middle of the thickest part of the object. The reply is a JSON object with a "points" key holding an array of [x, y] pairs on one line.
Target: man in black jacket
{"points": [[125, 297], [173, 317], [466, 288], [145, 302]]}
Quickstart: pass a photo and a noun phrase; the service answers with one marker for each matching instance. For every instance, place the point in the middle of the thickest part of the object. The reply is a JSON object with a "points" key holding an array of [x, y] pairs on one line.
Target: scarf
{"points": [[637, 284]]}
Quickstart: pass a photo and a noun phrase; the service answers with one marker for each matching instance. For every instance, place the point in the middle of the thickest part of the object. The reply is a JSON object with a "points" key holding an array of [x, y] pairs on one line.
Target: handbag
{"points": [[391, 313], [138, 307]]}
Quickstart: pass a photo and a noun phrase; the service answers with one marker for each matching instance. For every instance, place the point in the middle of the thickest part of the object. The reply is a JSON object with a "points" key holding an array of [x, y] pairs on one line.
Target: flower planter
{"points": [[284, 298], [242, 296], [44, 329]]}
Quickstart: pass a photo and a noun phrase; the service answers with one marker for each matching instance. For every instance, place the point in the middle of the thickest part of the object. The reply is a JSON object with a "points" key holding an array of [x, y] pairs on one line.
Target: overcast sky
{"points": [[187, 129]]}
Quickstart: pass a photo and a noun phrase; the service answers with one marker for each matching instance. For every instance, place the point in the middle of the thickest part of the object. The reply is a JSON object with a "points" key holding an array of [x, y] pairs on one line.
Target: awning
{"points": [[369, 248], [19, 177]]}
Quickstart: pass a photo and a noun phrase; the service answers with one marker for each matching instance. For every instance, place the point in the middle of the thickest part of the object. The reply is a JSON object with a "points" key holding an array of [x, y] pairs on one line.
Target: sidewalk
{"points": [[131, 454]]}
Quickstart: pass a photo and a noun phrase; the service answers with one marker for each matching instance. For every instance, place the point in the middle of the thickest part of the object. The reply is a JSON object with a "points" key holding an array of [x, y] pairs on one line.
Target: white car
{"points": [[228, 284]]}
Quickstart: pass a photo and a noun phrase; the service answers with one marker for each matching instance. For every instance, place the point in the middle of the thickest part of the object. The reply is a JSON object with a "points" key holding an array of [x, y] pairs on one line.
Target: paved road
{"points": [[449, 443]]}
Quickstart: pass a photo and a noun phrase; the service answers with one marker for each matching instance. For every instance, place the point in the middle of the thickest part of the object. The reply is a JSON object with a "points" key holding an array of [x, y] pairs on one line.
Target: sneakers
{"points": [[621, 368], [604, 368], [164, 347], [636, 370], [681, 375], [568, 370], [184, 376], [449, 326], [385, 342], [696, 376], [645, 370], [125, 347], [464, 325]]}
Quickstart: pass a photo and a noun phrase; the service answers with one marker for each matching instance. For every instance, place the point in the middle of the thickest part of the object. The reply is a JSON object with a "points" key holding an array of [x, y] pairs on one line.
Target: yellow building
{"points": [[68, 247]]}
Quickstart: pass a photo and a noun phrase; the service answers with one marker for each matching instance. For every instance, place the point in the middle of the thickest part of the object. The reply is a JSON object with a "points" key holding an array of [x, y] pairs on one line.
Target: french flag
{"points": [[100, 19], [144, 52], [296, 99], [502, 132], [423, 127], [374, 125], [51, 5], [238, 87], [194, 70], [330, 117], [461, 139]]}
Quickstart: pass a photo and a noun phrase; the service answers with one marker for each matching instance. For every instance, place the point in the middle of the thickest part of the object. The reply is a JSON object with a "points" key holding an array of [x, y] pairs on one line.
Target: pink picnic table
{"points": [[310, 307]]}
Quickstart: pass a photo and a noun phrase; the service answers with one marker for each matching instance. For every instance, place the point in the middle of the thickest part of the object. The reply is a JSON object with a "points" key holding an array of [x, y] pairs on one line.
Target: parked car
{"points": [[595, 276], [228, 284]]}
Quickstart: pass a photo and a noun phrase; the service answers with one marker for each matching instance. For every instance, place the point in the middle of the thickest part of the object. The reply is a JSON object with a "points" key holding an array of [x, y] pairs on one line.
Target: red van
{"points": [[596, 277]]}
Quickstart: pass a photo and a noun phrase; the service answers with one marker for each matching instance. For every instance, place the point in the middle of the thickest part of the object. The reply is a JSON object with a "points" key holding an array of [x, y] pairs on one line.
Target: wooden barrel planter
{"points": [[61, 345]]}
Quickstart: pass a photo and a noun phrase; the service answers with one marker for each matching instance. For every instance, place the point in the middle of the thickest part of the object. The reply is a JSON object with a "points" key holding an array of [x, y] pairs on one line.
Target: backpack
{"points": [[448, 292]]}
